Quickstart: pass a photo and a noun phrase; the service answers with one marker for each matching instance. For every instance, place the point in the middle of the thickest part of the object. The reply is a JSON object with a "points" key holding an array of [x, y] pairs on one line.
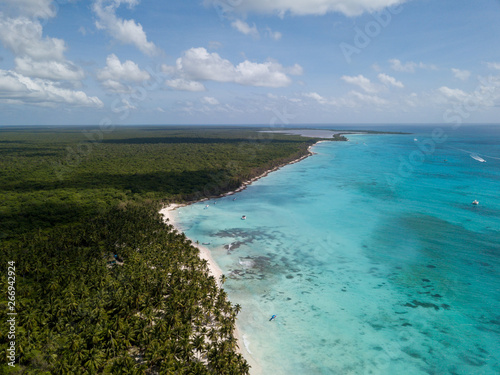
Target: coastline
{"points": [[168, 212], [169, 216]]}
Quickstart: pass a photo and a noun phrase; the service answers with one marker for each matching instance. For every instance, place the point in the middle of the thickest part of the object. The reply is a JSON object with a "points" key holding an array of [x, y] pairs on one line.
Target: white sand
{"points": [[170, 214]]}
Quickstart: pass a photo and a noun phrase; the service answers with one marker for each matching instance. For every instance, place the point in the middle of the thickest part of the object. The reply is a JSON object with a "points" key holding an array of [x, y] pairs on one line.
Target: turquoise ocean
{"points": [[370, 253]]}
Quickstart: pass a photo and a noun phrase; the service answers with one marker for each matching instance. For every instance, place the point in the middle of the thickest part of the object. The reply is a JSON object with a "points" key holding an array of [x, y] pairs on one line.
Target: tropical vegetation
{"points": [[103, 285]]}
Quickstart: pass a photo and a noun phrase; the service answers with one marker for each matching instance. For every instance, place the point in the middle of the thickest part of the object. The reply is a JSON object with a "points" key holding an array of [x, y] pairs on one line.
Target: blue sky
{"points": [[249, 61]]}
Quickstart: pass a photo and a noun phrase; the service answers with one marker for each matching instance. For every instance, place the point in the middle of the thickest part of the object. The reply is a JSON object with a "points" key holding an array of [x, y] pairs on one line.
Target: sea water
{"points": [[370, 253]]}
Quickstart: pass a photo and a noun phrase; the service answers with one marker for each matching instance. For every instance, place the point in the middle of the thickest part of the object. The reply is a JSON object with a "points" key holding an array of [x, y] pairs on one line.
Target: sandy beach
{"points": [[170, 213]]}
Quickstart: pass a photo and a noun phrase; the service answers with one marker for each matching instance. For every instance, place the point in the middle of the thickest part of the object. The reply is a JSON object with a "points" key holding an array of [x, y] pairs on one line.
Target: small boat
{"points": [[475, 202], [478, 158], [243, 217], [205, 243], [415, 139], [206, 207], [273, 317]]}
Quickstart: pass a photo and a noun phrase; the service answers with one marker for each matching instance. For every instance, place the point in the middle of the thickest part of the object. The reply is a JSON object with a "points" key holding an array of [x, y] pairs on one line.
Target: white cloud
{"points": [[127, 104], [185, 85], [245, 28], [128, 71], [461, 74], [115, 74], [115, 86], [42, 9], [209, 100], [22, 89], [410, 66], [452, 93], [37, 56], [486, 95], [125, 31], [197, 64], [310, 7], [493, 65], [362, 82], [276, 35], [388, 80], [369, 99], [316, 96], [24, 38], [352, 100], [53, 70]]}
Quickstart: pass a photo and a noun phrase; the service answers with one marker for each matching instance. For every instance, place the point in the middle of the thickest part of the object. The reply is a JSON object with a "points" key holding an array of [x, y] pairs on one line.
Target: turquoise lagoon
{"points": [[371, 255]]}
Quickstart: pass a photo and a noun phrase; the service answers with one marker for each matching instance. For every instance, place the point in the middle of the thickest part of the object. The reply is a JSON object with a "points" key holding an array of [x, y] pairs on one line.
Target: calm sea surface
{"points": [[370, 253]]}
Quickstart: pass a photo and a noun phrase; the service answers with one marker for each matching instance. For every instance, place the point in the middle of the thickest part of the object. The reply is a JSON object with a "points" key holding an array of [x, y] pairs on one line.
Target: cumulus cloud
{"points": [[185, 85], [316, 96], [116, 72], [486, 95], [41, 72], [209, 100], [16, 88], [452, 93], [410, 66], [461, 74], [362, 82], [53, 70], [125, 31], [31, 8], [351, 100], [197, 64], [245, 28], [310, 7], [388, 80], [37, 56], [24, 38]]}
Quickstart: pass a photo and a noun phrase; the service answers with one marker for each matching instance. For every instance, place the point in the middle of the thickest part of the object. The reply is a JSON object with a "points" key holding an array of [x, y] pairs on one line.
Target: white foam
{"points": [[246, 343]]}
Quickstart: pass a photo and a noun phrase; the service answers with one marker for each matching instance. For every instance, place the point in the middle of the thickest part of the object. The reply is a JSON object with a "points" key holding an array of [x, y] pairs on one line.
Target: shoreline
{"points": [[214, 270], [169, 216]]}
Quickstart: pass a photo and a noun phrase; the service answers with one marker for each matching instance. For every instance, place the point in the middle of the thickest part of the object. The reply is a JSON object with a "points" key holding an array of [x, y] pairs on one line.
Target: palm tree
{"points": [[222, 279]]}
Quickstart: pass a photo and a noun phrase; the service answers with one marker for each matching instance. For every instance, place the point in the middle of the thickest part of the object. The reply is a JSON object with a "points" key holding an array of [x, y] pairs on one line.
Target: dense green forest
{"points": [[102, 284]]}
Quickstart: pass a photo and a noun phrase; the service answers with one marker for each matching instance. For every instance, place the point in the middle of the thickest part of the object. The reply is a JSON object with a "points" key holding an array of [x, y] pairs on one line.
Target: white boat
{"points": [[478, 158], [243, 217], [475, 202]]}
